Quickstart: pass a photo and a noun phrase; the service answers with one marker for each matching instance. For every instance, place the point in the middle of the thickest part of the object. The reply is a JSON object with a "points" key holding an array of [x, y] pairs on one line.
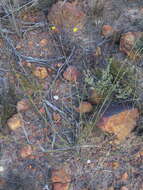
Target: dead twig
{"points": [[67, 148], [53, 107]]}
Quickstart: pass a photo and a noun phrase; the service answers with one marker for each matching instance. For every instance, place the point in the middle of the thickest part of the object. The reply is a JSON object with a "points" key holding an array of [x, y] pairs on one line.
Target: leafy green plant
{"points": [[116, 78]]}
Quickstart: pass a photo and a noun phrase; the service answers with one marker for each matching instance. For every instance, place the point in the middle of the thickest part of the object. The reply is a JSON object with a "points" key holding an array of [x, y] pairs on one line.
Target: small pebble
{"points": [[1, 168], [88, 161], [56, 97]]}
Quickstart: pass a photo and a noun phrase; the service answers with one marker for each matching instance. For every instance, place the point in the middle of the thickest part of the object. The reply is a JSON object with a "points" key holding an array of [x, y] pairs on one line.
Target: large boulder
{"points": [[119, 123]]}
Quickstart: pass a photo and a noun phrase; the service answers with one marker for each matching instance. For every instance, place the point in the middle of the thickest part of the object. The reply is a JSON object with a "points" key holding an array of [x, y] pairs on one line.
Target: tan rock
{"points": [[23, 105], [120, 124], [26, 151], [27, 64], [15, 122], [125, 176], [84, 107], [56, 117], [40, 72], [107, 31], [71, 74], [31, 43], [128, 40]]}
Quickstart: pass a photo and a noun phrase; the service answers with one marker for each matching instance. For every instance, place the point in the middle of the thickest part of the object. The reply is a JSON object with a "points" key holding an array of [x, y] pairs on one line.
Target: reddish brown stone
{"points": [[107, 30], [60, 179], [67, 16], [60, 176], [71, 74], [42, 110]]}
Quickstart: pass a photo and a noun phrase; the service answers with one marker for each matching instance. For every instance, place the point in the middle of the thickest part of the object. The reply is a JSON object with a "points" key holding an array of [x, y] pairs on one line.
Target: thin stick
{"points": [[67, 148], [53, 107]]}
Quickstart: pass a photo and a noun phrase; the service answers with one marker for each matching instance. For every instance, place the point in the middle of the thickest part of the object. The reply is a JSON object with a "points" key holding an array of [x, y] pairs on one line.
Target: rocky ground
{"points": [[71, 93]]}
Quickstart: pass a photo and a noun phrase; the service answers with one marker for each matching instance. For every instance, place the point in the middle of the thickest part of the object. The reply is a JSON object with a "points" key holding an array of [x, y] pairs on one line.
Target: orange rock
{"points": [[42, 110], [15, 122], [25, 63], [23, 105], [84, 107], [60, 176], [26, 151], [71, 74], [107, 31], [115, 165], [125, 176], [141, 153], [43, 42], [18, 46], [94, 97], [66, 16], [30, 43], [56, 117], [40, 72], [128, 41], [120, 124]]}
